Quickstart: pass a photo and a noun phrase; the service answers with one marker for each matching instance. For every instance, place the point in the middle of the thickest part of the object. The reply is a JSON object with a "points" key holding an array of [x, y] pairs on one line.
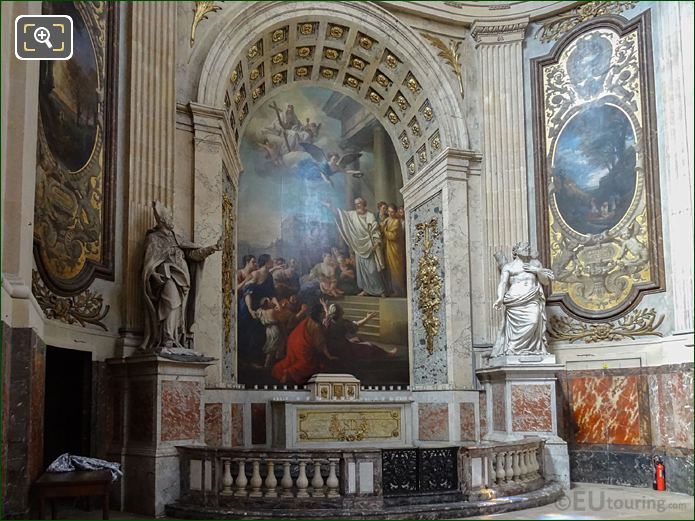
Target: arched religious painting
{"points": [[321, 244], [599, 220]]}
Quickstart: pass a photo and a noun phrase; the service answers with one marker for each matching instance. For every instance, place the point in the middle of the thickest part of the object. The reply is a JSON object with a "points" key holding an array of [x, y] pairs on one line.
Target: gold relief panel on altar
{"points": [[348, 424], [596, 167], [75, 192]]}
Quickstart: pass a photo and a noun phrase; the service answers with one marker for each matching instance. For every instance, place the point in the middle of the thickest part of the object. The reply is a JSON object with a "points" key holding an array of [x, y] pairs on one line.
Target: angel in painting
{"points": [[320, 166]]}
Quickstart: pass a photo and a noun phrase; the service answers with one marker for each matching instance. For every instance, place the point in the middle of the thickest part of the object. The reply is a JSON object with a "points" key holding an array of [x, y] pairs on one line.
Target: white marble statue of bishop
{"points": [[171, 272], [520, 291]]}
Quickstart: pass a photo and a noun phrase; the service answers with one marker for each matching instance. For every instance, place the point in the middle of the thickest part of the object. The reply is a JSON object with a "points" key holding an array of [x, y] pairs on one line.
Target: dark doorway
{"points": [[68, 403]]}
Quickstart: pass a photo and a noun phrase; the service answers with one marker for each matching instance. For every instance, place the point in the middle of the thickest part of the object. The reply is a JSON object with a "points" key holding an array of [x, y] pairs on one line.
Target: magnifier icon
{"points": [[42, 35]]}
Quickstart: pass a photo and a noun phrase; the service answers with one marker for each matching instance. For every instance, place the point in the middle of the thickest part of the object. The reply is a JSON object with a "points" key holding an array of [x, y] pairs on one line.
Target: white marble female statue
{"points": [[520, 291], [171, 273]]}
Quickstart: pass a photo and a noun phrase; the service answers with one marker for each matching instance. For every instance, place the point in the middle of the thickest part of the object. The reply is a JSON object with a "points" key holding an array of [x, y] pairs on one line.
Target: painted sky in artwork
{"points": [[267, 188]]}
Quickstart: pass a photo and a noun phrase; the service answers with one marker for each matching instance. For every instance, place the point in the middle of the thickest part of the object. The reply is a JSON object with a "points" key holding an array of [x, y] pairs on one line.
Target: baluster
{"points": [[302, 481], [256, 481], [332, 481], [500, 468], [515, 466], [317, 480], [508, 471], [227, 479], [271, 481], [523, 468], [534, 463], [241, 480], [491, 474], [286, 481]]}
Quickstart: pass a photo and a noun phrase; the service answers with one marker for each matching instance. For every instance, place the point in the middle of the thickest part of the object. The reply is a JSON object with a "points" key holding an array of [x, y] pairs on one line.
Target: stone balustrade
{"points": [[229, 478], [219, 476], [499, 469]]}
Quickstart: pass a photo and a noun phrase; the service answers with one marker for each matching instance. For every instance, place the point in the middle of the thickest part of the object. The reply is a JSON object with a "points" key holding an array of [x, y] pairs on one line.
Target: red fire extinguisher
{"points": [[659, 474]]}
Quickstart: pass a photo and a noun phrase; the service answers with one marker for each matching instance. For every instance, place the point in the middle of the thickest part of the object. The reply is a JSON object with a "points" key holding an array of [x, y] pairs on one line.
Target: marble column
{"points": [[673, 22], [150, 169], [442, 190], [505, 199], [215, 157]]}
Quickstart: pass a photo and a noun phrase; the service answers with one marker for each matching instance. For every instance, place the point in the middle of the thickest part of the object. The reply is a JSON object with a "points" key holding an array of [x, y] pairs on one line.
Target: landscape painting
{"points": [[321, 278], [594, 171], [68, 97]]}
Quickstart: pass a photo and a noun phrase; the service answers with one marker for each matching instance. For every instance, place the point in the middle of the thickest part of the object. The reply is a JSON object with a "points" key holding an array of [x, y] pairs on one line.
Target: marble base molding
{"points": [[521, 402], [161, 406]]}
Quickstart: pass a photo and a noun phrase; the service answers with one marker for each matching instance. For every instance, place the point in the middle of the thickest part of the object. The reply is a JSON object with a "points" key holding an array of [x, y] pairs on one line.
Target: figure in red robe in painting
{"points": [[307, 353]]}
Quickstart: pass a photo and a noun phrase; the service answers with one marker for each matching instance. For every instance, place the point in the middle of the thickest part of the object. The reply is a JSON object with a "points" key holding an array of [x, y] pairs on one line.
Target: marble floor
{"points": [[591, 501], [584, 501]]}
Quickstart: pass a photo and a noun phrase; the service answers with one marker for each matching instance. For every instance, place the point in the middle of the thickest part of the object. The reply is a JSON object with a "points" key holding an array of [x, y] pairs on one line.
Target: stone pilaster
{"points": [[20, 80], [672, 21], [152, 109], [505, 198], [442, 191], [215, 156]]}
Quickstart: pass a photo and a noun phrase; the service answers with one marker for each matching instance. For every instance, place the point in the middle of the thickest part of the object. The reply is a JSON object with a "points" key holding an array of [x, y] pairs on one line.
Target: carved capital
{"points": [[507, 31]]}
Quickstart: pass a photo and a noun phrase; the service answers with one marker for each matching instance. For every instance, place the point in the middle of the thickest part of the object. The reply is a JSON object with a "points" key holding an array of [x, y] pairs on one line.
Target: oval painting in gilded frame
{"points": [[594, 169], [69, 99]]}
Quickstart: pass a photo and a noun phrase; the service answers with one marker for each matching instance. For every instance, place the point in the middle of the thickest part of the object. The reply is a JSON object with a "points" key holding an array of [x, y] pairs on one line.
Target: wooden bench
{"points": [[73, 484]]}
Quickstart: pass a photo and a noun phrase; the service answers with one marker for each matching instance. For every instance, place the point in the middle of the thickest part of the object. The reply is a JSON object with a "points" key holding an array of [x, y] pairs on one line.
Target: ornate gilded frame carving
{"points": [[69, 250], [602, 274]]}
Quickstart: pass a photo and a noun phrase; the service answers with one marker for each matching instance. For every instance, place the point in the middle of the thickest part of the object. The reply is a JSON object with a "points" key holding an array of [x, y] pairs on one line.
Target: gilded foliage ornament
{"points": [[228, 270], [640, 322], [428, 281], [349, 430], [84, 308], [557, 26], [200, 12], [450, 54]]}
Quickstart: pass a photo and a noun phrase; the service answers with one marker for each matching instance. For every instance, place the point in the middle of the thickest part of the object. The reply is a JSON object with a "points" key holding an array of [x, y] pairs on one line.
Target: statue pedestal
{"points": [[156, 404], [521, 401]]}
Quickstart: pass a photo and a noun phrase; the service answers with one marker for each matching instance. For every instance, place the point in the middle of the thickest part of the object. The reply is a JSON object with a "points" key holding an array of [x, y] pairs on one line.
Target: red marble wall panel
{"points": [[606, 409], [482, 407], [499, 407], [38, 386], [531, 408], [671, 406], [433, 421], [180, 410], [258, 430], [213, 424], [467, 418], [141, 415], [237, 427]]}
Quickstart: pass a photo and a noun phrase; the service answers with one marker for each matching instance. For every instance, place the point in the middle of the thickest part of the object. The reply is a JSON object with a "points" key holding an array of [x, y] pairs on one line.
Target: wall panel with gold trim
{"points": [[599, 224], [75, 180]]}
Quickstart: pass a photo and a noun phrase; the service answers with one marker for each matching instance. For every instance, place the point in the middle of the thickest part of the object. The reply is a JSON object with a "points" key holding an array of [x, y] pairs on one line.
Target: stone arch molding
{"points": [[352, 47]]}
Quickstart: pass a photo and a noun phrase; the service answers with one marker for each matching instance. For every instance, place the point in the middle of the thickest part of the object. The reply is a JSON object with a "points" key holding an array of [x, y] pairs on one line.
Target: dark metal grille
{"points": [[408, 471]]}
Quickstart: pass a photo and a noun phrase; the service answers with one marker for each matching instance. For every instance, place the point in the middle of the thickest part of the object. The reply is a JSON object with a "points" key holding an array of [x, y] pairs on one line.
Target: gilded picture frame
{"points": [[74, 210], [596, 167]]}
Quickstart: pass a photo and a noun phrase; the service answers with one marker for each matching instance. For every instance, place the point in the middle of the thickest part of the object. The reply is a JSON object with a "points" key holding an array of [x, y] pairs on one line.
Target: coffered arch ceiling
{"points": [[354, 48]]}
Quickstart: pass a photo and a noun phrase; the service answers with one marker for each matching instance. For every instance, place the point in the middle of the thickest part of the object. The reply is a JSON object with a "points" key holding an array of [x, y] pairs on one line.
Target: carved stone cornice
{"points": [[506, 31]]}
